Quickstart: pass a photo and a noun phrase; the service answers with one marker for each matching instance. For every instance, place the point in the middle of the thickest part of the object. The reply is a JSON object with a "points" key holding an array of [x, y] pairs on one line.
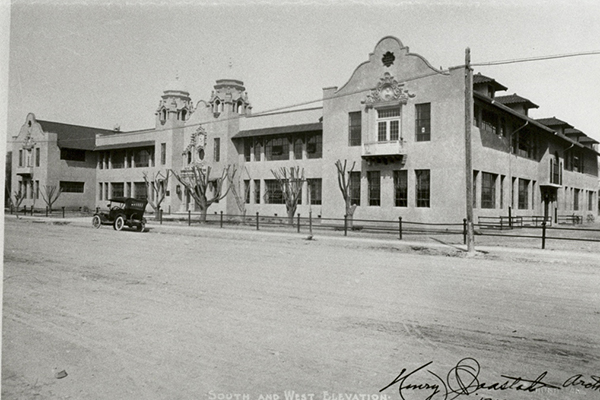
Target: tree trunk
{"points": [[203, 213]]}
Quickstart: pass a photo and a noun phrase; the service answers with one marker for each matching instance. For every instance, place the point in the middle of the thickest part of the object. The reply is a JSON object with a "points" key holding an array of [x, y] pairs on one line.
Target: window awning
{"points": [[128, 145], [279, 130]]}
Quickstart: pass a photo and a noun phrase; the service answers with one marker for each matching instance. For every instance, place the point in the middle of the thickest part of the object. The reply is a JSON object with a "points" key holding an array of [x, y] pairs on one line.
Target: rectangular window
{"points": [[488, 190], [141, 158], [502, 191], [128, 192], [256, 191], [523, 194], [140, 190], [298, 144], [277, 149], [118, 159], [524, 144], [247, 149], [117, 189], [314, 188], [257, 149], [163, 153], [31, 191], [72, 154], [217, 155], [37, 157], [423, 187], [314, 146], [355, 128], [354, 188], [423, 122], [273, 192], [20, 158], [475, 175], [590, 200], [37, 190], [374, 185], [71, 187], [489, 122], [100, 191], [247, 191], [388, 124], [576, 200], [401, 188]]}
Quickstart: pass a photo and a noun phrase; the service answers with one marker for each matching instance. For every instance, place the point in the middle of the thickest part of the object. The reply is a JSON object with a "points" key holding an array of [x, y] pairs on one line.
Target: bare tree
{"points": [[240, 194], [18, 200], [157, 186], [291, 188], [204, 190], [50, 193], [344, 184]]}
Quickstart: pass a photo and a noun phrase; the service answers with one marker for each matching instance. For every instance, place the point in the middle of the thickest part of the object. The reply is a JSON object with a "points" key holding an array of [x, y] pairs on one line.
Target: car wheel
{"points": [[119, 223], [96, 222]]}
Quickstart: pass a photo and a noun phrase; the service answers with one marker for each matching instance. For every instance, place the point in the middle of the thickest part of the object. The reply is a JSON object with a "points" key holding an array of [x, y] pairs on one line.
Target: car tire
{"points": [[119, 223], [96, 222]]}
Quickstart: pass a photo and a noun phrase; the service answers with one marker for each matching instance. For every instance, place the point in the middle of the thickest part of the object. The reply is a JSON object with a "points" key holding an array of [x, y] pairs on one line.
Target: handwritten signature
{"points": [[463, 380]]}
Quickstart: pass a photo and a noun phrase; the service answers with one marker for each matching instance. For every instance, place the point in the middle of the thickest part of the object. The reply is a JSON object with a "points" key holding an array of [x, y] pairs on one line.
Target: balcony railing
{"points": [[25, 170], [392, 147]]}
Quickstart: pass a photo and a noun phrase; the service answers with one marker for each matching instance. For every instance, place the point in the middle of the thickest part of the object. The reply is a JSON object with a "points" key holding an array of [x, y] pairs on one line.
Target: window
{"points": [[277, 149], [247, 149], [100, 191], [576, 200], [590, 200], [502, 177], [257, 149], [163, 153], [247, 191], [118, 159], [37, 190], [140, 190], [298, 143], [476, 112], [354, 188], [217, 155], [256, 191], [423, 187], [488, 190], [354, 128], [523, 194], [314, 146], [20, 158], [489, 122], [374, 184], [475, 175], [117, 189], [401, 188], [71, 187], [31, 191], [388, 124], [141, 158], [423, 122], [273, 192], [72, 154], [523, 144], [37, 157], [314, 188]]}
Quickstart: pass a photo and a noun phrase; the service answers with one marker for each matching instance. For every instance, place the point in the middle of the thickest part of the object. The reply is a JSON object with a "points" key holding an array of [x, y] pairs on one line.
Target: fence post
{"points": [[46, 211], [465, 230], [400, 228], [345, 225], [298, 222], [11, 209], [543, 235], [555, 215], [160, 212], [63, 210], [257, 220], [221, 223], [510, 217], [32, 210], [189, 217], [310, 222]]}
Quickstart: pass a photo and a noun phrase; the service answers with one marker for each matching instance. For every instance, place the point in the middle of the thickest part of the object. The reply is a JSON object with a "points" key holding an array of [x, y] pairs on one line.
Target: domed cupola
{"points": [[229, 96], [175, 104]]}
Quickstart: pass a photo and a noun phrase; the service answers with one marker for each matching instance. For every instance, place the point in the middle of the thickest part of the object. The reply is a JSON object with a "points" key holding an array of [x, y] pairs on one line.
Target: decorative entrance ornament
{"points": [[388, 90]]}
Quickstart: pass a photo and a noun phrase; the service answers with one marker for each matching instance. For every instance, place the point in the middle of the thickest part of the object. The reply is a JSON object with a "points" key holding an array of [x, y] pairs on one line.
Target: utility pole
{"points": [[468, 154]]}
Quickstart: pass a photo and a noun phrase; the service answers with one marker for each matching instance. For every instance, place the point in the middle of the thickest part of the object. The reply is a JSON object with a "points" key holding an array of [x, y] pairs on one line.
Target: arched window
{"points": [[183, 114], [240, 107], [189, 157]]}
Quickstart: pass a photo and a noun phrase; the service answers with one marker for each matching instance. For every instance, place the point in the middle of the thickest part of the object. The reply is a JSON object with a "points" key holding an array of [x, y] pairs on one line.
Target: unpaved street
{"points": [[197, 315]]}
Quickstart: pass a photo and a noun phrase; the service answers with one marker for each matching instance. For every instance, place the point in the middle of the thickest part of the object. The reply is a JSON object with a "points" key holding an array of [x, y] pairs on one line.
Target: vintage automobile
{"points": [[122, 211]]}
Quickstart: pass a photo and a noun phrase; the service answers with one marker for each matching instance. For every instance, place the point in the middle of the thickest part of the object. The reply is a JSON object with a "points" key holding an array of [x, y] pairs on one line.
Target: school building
{"points": [[399, 121]]}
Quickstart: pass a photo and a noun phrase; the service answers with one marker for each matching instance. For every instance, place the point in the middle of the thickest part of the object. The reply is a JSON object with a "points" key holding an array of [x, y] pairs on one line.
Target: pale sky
{"points": [[100, 65]]}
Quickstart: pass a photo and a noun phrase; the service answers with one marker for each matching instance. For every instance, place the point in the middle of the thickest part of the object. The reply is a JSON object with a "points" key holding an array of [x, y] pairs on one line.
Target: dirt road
{"points": [[200, 315]]}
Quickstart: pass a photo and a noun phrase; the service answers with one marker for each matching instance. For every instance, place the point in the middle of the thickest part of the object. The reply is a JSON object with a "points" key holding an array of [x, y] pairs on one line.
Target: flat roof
{"points": [[126, 145], [277, 130]]}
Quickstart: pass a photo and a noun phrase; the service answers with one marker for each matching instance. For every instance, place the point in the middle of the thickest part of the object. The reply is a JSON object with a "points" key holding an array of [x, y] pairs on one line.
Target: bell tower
{"points": [[229, 98], [175, 106]]}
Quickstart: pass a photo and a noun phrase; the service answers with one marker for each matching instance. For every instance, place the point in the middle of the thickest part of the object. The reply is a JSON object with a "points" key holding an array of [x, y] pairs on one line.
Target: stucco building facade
{"points": [[398, 120]]}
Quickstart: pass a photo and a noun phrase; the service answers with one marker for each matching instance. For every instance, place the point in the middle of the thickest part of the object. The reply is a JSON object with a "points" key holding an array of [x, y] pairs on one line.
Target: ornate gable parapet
{"points": [[388, 90]]}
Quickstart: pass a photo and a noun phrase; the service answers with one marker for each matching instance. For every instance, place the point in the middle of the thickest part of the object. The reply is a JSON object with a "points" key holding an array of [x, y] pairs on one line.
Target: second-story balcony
{"points": [[25, 170], [385, 152]]}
